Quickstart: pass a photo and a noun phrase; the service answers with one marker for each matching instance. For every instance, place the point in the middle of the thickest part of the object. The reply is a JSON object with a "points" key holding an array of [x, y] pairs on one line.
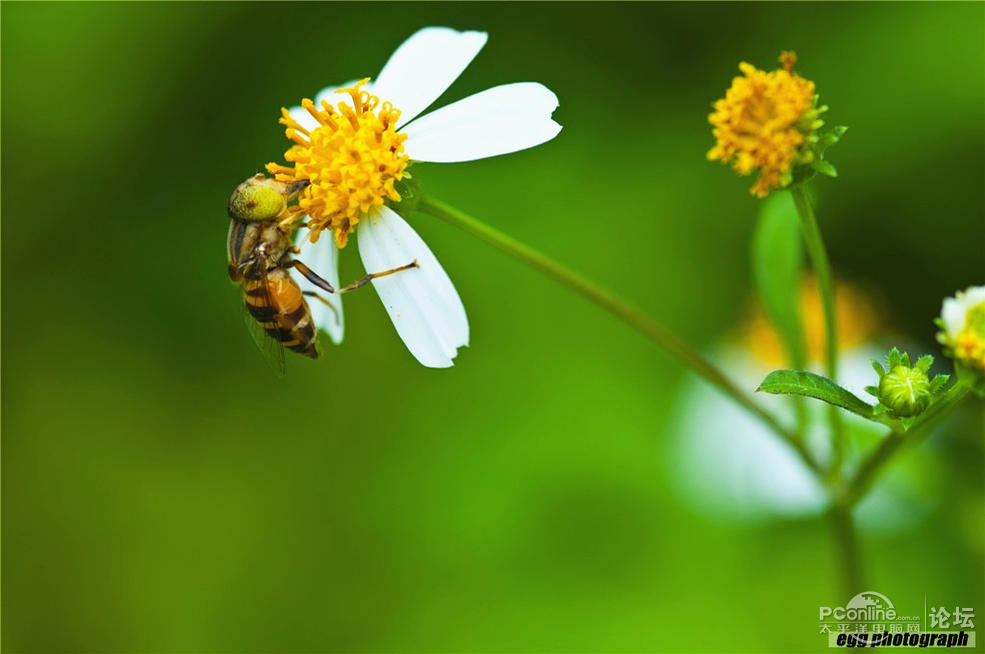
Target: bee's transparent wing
{"points": [[272, 351]]}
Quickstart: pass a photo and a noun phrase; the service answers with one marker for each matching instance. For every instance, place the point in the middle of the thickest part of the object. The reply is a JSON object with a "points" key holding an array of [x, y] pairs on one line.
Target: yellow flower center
{"points": [[757, 125], [350, 161], [969, 346]]}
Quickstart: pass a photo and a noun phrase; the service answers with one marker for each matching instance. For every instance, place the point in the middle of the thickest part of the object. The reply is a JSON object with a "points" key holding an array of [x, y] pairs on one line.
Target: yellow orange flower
{"points": [[764, 122]]}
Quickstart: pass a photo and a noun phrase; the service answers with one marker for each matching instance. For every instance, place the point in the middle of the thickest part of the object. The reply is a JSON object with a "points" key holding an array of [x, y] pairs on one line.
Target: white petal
{"points": [[502, 119], [424, 66], [323, 258], [955, 310], [422, 302], [952, 313], [974, 296]]}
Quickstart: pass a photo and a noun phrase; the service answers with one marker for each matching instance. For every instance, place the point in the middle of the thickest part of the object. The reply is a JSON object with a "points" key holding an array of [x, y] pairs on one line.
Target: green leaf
{"points": [[777, 264], [798, 382], [825, 168], [830, 138], [895, 359]]}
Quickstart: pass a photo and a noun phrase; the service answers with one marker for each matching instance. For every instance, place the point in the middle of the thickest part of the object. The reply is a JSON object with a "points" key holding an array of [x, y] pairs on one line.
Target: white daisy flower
{"points": [[962, 324], [354, 144]]}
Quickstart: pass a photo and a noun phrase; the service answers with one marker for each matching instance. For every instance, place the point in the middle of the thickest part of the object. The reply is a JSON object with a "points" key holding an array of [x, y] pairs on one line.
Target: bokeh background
{"points": [[162, 491]]}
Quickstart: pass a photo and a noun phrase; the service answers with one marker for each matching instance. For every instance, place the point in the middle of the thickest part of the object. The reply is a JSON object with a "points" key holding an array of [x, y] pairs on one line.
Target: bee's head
{"points": [[258, 199]]}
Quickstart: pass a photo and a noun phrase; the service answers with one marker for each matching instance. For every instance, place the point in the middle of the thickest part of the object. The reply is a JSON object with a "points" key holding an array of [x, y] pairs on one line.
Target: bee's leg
{"points": [[323, 301], [295, 188], [312, 277], [245, 265], [371, 276]]}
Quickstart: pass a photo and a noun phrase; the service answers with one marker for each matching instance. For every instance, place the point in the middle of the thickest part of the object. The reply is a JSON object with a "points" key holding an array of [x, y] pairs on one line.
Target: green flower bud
{"points": [[905, 391]]}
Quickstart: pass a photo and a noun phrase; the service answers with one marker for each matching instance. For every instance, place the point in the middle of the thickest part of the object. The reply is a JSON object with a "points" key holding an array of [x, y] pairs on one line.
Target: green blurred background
{"points": [[162, 491]]}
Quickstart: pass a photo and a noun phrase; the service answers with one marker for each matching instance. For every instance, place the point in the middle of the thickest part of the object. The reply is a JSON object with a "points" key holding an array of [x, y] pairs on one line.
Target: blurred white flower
{"points": [[728, 465], [355, 153], [962, 324]]}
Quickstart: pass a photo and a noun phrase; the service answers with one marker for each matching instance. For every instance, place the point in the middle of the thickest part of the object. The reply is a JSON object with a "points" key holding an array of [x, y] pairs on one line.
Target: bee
{"points": [[259, 260]]}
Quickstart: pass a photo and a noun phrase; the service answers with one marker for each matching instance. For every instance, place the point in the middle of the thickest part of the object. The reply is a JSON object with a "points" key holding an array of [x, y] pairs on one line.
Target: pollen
{"points": [[969, 345], [762, 122], [351, 162]]}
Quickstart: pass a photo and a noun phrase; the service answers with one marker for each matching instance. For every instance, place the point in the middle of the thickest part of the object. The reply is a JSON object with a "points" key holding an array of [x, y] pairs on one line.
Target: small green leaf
{"points": [[924, 362], [777, 264], [825, 168], [872, 390], [798, 382], [879, 369], [830, 138]]}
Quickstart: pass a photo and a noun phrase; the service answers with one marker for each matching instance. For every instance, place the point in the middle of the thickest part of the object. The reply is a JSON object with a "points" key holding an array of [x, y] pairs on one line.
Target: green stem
{"points": [[822, 268], [846, 542], [876, 460], [631, 315]]}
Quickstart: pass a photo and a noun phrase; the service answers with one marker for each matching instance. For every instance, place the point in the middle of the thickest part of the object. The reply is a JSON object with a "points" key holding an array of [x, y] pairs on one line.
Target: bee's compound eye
{"points": [[257, 199]]}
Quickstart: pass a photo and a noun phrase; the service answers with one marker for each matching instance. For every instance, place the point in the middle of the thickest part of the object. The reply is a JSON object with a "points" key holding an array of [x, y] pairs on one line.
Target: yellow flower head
{"points": [[350, 162], [766, 122]]}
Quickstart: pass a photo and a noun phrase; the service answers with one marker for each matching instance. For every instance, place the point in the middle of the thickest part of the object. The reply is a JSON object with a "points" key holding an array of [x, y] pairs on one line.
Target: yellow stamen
{"points": [[788, 59], [350, 161], [969, 344]]}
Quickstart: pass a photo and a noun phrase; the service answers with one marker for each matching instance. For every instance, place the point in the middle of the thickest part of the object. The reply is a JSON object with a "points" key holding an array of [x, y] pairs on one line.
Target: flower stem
{"points": [[872, 465], [846, 542], [619, 307], [822, 268]]}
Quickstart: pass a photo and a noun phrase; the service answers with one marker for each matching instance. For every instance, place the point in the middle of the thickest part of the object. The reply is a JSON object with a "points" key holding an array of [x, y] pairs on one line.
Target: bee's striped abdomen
{"points": [[277, 304]]}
